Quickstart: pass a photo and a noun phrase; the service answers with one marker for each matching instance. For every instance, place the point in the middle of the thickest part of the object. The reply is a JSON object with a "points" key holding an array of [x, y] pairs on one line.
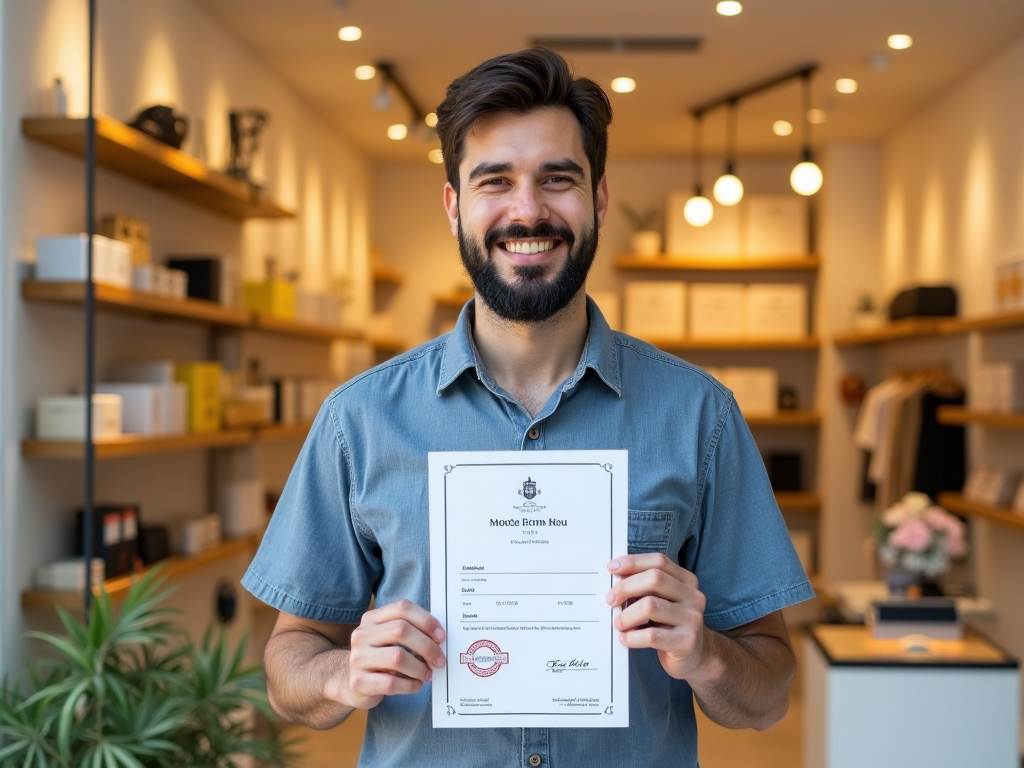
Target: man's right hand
{"points": [[394, 650]]}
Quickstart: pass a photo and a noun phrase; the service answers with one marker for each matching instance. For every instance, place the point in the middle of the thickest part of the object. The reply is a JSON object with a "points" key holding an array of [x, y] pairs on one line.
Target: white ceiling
{"points": [[431, 42]]}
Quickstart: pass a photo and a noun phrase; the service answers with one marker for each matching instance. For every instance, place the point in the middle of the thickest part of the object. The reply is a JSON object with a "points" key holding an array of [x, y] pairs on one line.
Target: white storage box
{"points": [[656, 309], [142, 411], [62, 417], [717, 310], [720, 237], [775, 225], [69, 575], [196, 535], [756, 389], [174, 417], [177, 284], [63, 258], [998, 387], [242, 507], [144, 278], [776, 311]]}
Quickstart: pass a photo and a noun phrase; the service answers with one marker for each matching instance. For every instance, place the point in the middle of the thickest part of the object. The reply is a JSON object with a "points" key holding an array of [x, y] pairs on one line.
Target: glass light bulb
{"points": [[729, 8], [398, 131], [350, 34], [846, 85], [806, 178], [698, 210], [366, 72], [623, 85], [435, 156], [431, 119], [900, 42], [816, 116], [728, 189], [782, 128]]}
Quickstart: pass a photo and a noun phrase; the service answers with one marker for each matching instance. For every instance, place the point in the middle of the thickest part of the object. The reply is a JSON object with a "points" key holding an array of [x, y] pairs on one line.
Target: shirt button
{"points": [[534, 434], [535, 759]]}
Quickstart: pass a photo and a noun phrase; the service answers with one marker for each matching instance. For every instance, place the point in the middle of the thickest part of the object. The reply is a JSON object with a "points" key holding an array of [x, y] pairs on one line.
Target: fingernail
{"points": [[439, 662], [610, 597], [439, 634], [614, 565], [429, 675]]}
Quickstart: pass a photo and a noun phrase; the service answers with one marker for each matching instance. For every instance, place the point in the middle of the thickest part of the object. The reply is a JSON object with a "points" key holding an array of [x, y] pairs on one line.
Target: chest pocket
{"points": [[649, 531]]}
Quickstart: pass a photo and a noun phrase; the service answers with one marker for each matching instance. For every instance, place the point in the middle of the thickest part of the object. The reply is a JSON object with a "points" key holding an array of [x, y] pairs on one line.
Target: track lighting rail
{"points": [[803, 71]]}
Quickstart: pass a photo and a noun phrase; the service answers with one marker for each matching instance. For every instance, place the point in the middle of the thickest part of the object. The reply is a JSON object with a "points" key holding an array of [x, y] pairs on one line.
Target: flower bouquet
{"points": [[919, 538]]}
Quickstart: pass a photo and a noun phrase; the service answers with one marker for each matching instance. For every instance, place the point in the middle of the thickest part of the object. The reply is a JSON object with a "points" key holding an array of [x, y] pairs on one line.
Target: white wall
{"points": [[953, 192], [159, 51]]}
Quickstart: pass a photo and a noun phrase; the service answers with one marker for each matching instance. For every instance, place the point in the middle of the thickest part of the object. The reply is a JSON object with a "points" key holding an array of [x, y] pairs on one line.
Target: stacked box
{"points": [[203, 382]]}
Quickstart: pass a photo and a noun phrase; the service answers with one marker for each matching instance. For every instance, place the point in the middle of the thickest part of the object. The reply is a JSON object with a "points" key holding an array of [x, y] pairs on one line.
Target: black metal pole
{"points": [[90, 316]]}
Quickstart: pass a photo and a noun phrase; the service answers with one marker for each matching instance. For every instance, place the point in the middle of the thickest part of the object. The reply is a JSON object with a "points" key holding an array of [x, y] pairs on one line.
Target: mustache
{"points": [[521, 232]]}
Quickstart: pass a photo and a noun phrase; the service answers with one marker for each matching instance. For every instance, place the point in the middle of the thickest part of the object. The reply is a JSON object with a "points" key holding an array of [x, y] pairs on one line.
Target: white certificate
{"points": [[519, 547]]}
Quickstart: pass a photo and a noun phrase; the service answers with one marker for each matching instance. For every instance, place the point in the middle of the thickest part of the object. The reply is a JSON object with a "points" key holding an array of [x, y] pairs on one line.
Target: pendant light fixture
{"points": [[729, 189], [806, 177], [698, 209]]}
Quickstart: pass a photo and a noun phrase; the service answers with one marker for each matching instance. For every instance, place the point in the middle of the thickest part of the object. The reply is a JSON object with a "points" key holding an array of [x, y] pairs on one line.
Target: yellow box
{"points": [[203, 383], [275, 297]]}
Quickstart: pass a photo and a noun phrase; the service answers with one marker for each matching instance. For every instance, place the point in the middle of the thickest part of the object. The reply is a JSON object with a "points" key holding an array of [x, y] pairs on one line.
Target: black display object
{"points": [[162, 124], [244, 128], [784, 471], [154, 544], [205, 276], [924, 301], [115, 536]]}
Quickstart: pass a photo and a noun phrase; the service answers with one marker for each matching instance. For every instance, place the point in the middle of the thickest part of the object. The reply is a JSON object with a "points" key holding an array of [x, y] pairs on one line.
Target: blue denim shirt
{"points": [[353, 519]]}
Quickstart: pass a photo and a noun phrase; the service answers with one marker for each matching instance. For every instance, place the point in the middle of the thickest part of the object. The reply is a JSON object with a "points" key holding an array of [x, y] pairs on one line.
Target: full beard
{"points": [[529, 298]]}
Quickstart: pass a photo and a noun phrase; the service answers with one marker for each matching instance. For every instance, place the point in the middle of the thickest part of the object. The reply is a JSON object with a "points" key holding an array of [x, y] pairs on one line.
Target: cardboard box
{"points": [[756, 389], [776, 311], [64, 258], [130, 230], [275, 297], [62, 417], [203, 382], [720, 237], [717, 311], [774, 225], [656, 309]]}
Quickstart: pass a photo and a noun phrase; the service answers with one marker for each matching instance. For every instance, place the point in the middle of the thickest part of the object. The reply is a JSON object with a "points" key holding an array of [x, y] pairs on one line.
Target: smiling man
{"points": [[531, 365]]}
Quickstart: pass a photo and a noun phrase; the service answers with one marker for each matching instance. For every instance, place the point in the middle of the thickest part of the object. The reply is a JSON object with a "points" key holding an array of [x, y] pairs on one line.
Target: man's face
{"points": [[526, 215]]}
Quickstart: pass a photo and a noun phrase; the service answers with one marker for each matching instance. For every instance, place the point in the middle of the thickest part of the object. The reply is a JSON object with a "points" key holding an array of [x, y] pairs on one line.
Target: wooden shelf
{"points": [[716, 263], [388, 346], [751, 345], [114, 299], [173, 568], [923, 327], [807, 501], [283, 431], [955, 502], [134, 445], [785, 419], [951, 414], [387, 275], [138, 156], [452, 300], [282, 326]]}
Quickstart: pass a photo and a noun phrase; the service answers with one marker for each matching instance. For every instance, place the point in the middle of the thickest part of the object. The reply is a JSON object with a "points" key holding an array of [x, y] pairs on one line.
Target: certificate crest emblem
{"points": [[483, 658], [529, 489]]}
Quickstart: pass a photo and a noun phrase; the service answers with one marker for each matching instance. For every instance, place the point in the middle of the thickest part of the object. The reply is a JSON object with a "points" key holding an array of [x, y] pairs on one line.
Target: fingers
{"points": [[665, 613], [412, 613], [649, 574]]}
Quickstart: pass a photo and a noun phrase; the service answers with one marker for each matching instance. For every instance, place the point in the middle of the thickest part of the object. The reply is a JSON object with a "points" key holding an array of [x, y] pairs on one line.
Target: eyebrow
{"points": [[564, 166]]}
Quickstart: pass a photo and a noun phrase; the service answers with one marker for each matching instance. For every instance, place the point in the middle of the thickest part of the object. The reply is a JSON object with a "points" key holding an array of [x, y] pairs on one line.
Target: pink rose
{"points": [[913, 535]]}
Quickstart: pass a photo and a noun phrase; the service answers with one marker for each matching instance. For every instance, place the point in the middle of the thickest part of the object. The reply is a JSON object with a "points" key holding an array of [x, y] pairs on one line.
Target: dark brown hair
{"points": [[522, 82]]}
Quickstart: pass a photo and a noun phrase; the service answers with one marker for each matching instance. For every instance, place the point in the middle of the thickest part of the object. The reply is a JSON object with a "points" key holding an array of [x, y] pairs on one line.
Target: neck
{"points": [[530, 360]]}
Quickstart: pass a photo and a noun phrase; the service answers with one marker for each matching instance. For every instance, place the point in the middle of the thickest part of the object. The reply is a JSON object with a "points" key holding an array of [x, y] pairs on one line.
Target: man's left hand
{"points": [[663, 610]]}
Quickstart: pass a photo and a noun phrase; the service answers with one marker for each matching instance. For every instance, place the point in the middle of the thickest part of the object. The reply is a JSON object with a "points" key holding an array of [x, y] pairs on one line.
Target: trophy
{"points": [[245, 127]]}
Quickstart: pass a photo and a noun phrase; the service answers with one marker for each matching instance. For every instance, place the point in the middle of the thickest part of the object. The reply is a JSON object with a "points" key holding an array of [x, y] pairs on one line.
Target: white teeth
{"points": [[514, 246]]}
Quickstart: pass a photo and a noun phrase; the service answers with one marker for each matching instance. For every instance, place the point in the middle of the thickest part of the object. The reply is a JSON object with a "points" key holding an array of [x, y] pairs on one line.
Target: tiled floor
{"points": [[719, 747]]}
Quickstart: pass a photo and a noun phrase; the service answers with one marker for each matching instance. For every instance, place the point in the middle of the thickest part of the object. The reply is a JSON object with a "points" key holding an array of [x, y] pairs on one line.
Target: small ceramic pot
{"points": [[646, 243]]}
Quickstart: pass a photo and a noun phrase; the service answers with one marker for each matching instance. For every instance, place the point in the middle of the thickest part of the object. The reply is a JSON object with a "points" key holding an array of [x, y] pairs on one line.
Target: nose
{"points": [[527, 206]]}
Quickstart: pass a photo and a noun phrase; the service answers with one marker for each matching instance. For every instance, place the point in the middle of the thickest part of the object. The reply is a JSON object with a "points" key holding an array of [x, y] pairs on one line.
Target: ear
{"points": [[451, 207], [601, 202]]}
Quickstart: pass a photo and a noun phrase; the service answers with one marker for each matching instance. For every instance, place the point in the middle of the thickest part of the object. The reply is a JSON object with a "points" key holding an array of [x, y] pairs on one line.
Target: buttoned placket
{"points": [[536, 751]]}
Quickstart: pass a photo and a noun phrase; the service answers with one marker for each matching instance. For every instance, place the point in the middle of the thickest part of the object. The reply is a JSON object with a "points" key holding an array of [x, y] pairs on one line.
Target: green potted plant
{"points": [[644, 241], [132, 690]]}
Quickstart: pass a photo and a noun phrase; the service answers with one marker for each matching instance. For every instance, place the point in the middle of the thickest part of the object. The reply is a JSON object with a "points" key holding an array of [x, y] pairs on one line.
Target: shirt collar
{"points": [[599, 353]]}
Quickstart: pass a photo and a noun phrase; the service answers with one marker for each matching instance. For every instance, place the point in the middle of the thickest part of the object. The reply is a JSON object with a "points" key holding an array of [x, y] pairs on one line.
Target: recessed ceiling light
{"points": [[366, 72], [398, 131], [729, 8], [846, 85], [900, 42], [782, 128], [623, 85], [435, 156], [816, 116], [431, 120], [350, 34]]}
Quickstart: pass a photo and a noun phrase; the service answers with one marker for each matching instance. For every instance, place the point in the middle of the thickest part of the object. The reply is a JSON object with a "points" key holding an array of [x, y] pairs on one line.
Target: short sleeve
{"points": [[314, 562], [739, 547]]}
